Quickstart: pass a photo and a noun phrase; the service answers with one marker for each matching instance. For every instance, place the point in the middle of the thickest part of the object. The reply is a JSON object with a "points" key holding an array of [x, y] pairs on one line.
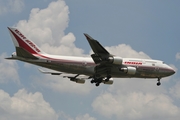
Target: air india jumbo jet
{"points": [[101, 67]]}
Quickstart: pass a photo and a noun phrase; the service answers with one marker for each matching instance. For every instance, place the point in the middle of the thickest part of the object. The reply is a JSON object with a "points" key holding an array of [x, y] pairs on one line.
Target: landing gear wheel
{"points": [[108, 77], [106, 80], [97, 84], [158, 84], [92, 81]]}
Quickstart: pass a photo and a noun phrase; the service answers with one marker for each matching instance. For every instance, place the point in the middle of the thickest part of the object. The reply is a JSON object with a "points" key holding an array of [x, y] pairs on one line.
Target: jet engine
{"points": [[128, 70], [109, 82], [115, 60], [78, 80]]}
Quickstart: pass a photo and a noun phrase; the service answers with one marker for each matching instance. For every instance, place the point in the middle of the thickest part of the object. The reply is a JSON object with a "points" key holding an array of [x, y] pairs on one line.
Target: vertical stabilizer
{"points": [[22, 42]]}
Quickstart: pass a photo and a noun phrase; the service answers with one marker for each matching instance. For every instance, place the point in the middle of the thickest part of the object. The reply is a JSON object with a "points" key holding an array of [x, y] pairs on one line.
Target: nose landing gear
{"points": [[158, 83]]}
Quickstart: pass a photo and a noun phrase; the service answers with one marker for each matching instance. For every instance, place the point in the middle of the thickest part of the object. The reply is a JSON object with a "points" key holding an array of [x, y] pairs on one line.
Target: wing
{"points": [[96, 46], [100, 53], [73, 77], [104, 60]]}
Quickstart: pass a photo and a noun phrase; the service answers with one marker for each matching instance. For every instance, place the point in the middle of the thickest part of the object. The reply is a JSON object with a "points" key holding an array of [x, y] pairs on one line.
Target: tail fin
{"points": [[24, 47]]}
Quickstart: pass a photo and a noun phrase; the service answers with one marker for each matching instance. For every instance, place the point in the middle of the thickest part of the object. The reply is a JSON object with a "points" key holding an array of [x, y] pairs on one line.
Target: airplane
{"points": [[101, 67]]}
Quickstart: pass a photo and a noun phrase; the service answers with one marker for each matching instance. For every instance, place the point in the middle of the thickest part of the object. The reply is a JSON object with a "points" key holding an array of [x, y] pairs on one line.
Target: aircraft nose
{"points": [[172, 71]]}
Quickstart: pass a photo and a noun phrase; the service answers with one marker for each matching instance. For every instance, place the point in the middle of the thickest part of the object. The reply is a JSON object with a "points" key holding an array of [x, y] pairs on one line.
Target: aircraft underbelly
{"points": [[68, 68], [141, 72]]}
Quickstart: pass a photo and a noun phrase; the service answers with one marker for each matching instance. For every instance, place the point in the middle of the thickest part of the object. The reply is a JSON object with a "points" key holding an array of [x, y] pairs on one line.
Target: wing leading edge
{"points": [[73, 77], [100, 53], [96, 46]]}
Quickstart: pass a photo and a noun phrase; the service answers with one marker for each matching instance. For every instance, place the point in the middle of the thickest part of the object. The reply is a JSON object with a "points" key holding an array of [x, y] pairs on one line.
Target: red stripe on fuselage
{"points": [[23, 44], [63, 60]]}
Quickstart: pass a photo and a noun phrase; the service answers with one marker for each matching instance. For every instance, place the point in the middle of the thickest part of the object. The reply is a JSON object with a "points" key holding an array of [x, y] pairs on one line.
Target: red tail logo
{"points": [[20, 34], [32, 45]]}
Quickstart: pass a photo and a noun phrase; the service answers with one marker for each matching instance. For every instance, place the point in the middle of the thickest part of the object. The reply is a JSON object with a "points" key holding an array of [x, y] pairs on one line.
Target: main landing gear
{"points": [[97, 81], [107, 78], [158, 83]]}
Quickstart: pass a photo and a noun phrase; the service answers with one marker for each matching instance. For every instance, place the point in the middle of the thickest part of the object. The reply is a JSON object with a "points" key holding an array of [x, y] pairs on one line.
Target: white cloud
{"points": [[136, 105], [126, 51], [137, 99], [126, 99], [8, 70], [85, 117], [63, 85], [174, 67], [64, 116], [175, 90], [15, 6], [128, 85], [46, 28], [26, 106], [178, 56]]}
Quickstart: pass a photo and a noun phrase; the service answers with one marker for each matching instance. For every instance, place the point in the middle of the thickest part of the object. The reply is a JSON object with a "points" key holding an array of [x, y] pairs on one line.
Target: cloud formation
{"points": [[175, 90], [125, 99], [136, 105], [63, 85], [126, 51], [26, 106], [46, 28], [14, 6], [85, 117], [8, 70], [178, 56]]}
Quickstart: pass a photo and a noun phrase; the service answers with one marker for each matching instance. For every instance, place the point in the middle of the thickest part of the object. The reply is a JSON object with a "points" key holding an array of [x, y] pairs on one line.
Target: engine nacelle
{"points": [[78, 80], [110, 82], [14, 54], [129, 70], [115, 60]]}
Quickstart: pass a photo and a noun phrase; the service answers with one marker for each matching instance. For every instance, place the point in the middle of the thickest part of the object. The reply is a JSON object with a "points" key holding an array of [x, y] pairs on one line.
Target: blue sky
{"points": [[142, 29]]}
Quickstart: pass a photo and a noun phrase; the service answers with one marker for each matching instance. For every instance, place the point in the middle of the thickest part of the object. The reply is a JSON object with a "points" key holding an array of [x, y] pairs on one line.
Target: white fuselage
{"points": [[145, 68], [101, 67]]}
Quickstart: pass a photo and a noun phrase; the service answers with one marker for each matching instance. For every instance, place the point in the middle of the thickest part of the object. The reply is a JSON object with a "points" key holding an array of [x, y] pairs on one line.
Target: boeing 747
{"points": [[101, 67]]}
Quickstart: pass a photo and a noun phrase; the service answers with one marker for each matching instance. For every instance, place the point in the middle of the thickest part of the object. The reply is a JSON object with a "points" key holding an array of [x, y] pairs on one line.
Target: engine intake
{"points": [[129, 70], [115, 60]]}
